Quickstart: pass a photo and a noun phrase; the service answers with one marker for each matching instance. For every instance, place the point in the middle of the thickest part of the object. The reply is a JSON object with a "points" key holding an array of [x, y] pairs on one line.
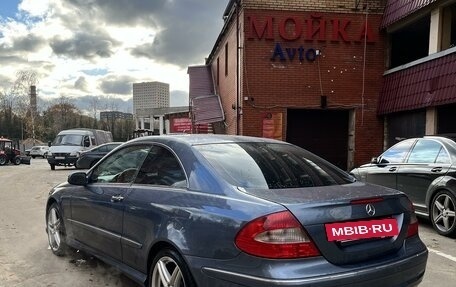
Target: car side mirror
{"points": [[78, 178], [49, 144], [374, 160]]}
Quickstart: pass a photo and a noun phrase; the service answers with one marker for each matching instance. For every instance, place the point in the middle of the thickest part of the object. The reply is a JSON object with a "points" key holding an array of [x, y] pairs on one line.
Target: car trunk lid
{"points": [[360, 211]]}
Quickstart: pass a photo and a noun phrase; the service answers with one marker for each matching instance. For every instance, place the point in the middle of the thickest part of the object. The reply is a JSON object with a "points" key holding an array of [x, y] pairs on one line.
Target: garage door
{"points": [[323, 132]]}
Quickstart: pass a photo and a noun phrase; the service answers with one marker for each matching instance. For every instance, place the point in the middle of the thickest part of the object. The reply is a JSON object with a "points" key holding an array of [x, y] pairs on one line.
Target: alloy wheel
{"points": [[443, 212], [167, 273], [54, 226]]}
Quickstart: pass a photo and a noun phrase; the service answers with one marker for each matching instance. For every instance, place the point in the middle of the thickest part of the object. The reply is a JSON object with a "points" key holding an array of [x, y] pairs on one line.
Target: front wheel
{"points": [[169, 269], [443, 213], [56, 231], [52, 166]]}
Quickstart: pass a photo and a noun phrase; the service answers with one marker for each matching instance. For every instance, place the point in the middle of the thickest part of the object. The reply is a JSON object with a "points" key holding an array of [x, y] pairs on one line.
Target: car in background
{"points": [[39, 151], [425, 169], [219, 210], [89, 158]]}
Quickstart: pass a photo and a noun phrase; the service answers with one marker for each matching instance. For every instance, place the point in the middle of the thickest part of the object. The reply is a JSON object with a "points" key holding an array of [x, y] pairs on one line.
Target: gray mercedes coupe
{"points": [[217, 210]]}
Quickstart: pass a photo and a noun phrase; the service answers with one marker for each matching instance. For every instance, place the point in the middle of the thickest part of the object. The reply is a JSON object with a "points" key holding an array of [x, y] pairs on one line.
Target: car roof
{"points": [[111, 143], [197, 139]]}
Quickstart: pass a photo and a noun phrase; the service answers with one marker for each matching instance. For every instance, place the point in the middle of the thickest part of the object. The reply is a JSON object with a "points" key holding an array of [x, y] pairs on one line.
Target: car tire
{"points": [[3, 159], [17, 160], [442, 213], [169, 269], [56, 231], [45, 155], [52, 166], [33, 156]]}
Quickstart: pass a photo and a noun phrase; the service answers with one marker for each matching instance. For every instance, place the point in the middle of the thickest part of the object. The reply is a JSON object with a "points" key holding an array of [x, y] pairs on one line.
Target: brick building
{"points": [[310, 73]]}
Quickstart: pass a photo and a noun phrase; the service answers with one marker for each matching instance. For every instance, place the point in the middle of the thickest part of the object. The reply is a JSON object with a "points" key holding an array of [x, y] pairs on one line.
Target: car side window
{"points": [[425, 151], [397, 153], [443, 157], [161, 167], [122, 166]]}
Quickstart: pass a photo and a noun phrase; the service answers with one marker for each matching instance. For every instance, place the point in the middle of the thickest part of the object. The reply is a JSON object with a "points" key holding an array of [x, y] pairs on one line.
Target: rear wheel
{"points": [[169, 269], [3, 159], [52, 166], [443, 213], [17, 160], [56, 231]]}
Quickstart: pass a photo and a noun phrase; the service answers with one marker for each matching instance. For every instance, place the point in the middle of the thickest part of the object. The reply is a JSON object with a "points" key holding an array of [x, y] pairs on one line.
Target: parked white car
{"points": [[41, 151]]}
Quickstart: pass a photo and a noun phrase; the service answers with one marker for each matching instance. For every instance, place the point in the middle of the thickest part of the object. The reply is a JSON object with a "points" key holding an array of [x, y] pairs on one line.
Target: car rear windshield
{"points": [[271, 166]]}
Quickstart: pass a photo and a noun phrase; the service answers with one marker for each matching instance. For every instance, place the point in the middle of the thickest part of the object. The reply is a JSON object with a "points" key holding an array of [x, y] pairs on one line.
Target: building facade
{"points": [[343, 79], [113, 115], [418, 95], [304, 72], [147, 96]]}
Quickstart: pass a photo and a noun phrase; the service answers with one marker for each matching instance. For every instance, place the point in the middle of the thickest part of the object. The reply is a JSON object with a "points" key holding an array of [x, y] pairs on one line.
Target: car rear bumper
{"points": [[397, 271]]}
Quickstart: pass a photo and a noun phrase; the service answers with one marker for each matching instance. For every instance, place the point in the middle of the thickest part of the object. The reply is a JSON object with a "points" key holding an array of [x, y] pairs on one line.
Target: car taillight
{"points": [[277, 235], [412, 229]]}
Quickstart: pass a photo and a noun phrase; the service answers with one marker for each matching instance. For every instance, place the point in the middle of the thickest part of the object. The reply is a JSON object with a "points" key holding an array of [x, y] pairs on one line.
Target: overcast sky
{"points": [[98, 48]]}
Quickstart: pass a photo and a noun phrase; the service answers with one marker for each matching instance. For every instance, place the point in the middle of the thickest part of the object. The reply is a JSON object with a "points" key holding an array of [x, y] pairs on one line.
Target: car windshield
{"points": [[69, 139], [271, 166]]}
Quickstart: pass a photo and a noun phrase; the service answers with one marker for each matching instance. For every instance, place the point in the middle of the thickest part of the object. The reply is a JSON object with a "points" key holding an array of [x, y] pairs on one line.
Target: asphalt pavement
{"points": [[27, 261]]}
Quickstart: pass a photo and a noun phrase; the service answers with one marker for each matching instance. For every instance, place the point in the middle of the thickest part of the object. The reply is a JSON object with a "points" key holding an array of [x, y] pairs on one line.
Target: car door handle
{"points": [[117, 198], [436, 169], [393, 168]]}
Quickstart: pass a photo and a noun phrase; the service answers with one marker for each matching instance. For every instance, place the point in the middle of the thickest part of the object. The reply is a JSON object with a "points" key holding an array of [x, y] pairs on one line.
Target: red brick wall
{"points": [[278, 85], [227, 83]]}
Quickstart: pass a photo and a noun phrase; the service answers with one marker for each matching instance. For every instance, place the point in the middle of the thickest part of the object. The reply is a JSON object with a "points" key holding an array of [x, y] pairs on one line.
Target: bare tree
{"points": [[94, 103], [20, 93]]}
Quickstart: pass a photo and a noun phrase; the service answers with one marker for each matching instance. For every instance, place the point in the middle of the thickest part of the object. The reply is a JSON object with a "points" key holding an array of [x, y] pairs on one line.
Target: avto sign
{"points": [[292, 29]]}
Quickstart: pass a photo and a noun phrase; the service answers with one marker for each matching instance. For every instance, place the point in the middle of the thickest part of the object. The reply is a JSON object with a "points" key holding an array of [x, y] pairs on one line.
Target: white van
{"points": [[68, 144]]}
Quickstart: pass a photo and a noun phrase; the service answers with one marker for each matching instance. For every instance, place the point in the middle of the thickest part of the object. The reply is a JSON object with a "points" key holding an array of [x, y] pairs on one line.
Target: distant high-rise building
{"points": [[146, 97], [150, 95]]}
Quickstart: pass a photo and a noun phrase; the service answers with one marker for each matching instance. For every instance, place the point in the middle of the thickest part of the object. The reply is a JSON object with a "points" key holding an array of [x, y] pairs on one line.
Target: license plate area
{"points": [[365, 229]]}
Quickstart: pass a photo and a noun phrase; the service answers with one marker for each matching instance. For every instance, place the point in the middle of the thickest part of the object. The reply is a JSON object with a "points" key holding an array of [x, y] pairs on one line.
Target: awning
{"points": [[396, 10], [205, 103], [427, 84], [207, 109]]}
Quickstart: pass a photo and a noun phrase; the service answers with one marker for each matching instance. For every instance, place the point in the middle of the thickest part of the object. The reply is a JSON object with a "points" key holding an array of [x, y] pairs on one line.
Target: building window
{"points": [[218, 70], [226, 59], [410, 43], [449, 27]]}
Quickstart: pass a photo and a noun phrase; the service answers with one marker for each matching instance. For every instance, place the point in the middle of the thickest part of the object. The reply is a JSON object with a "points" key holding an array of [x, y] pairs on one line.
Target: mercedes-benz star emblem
{"points": [[370, 209]]}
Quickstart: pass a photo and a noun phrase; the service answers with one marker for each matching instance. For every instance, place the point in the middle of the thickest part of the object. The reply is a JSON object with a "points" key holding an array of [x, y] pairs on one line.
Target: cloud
{"points": [[117, 85], [81, 84], [121, 12], [184, 38], [178, 98], [82, 48], [102, 103], [82, 45], [28, 43]]}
